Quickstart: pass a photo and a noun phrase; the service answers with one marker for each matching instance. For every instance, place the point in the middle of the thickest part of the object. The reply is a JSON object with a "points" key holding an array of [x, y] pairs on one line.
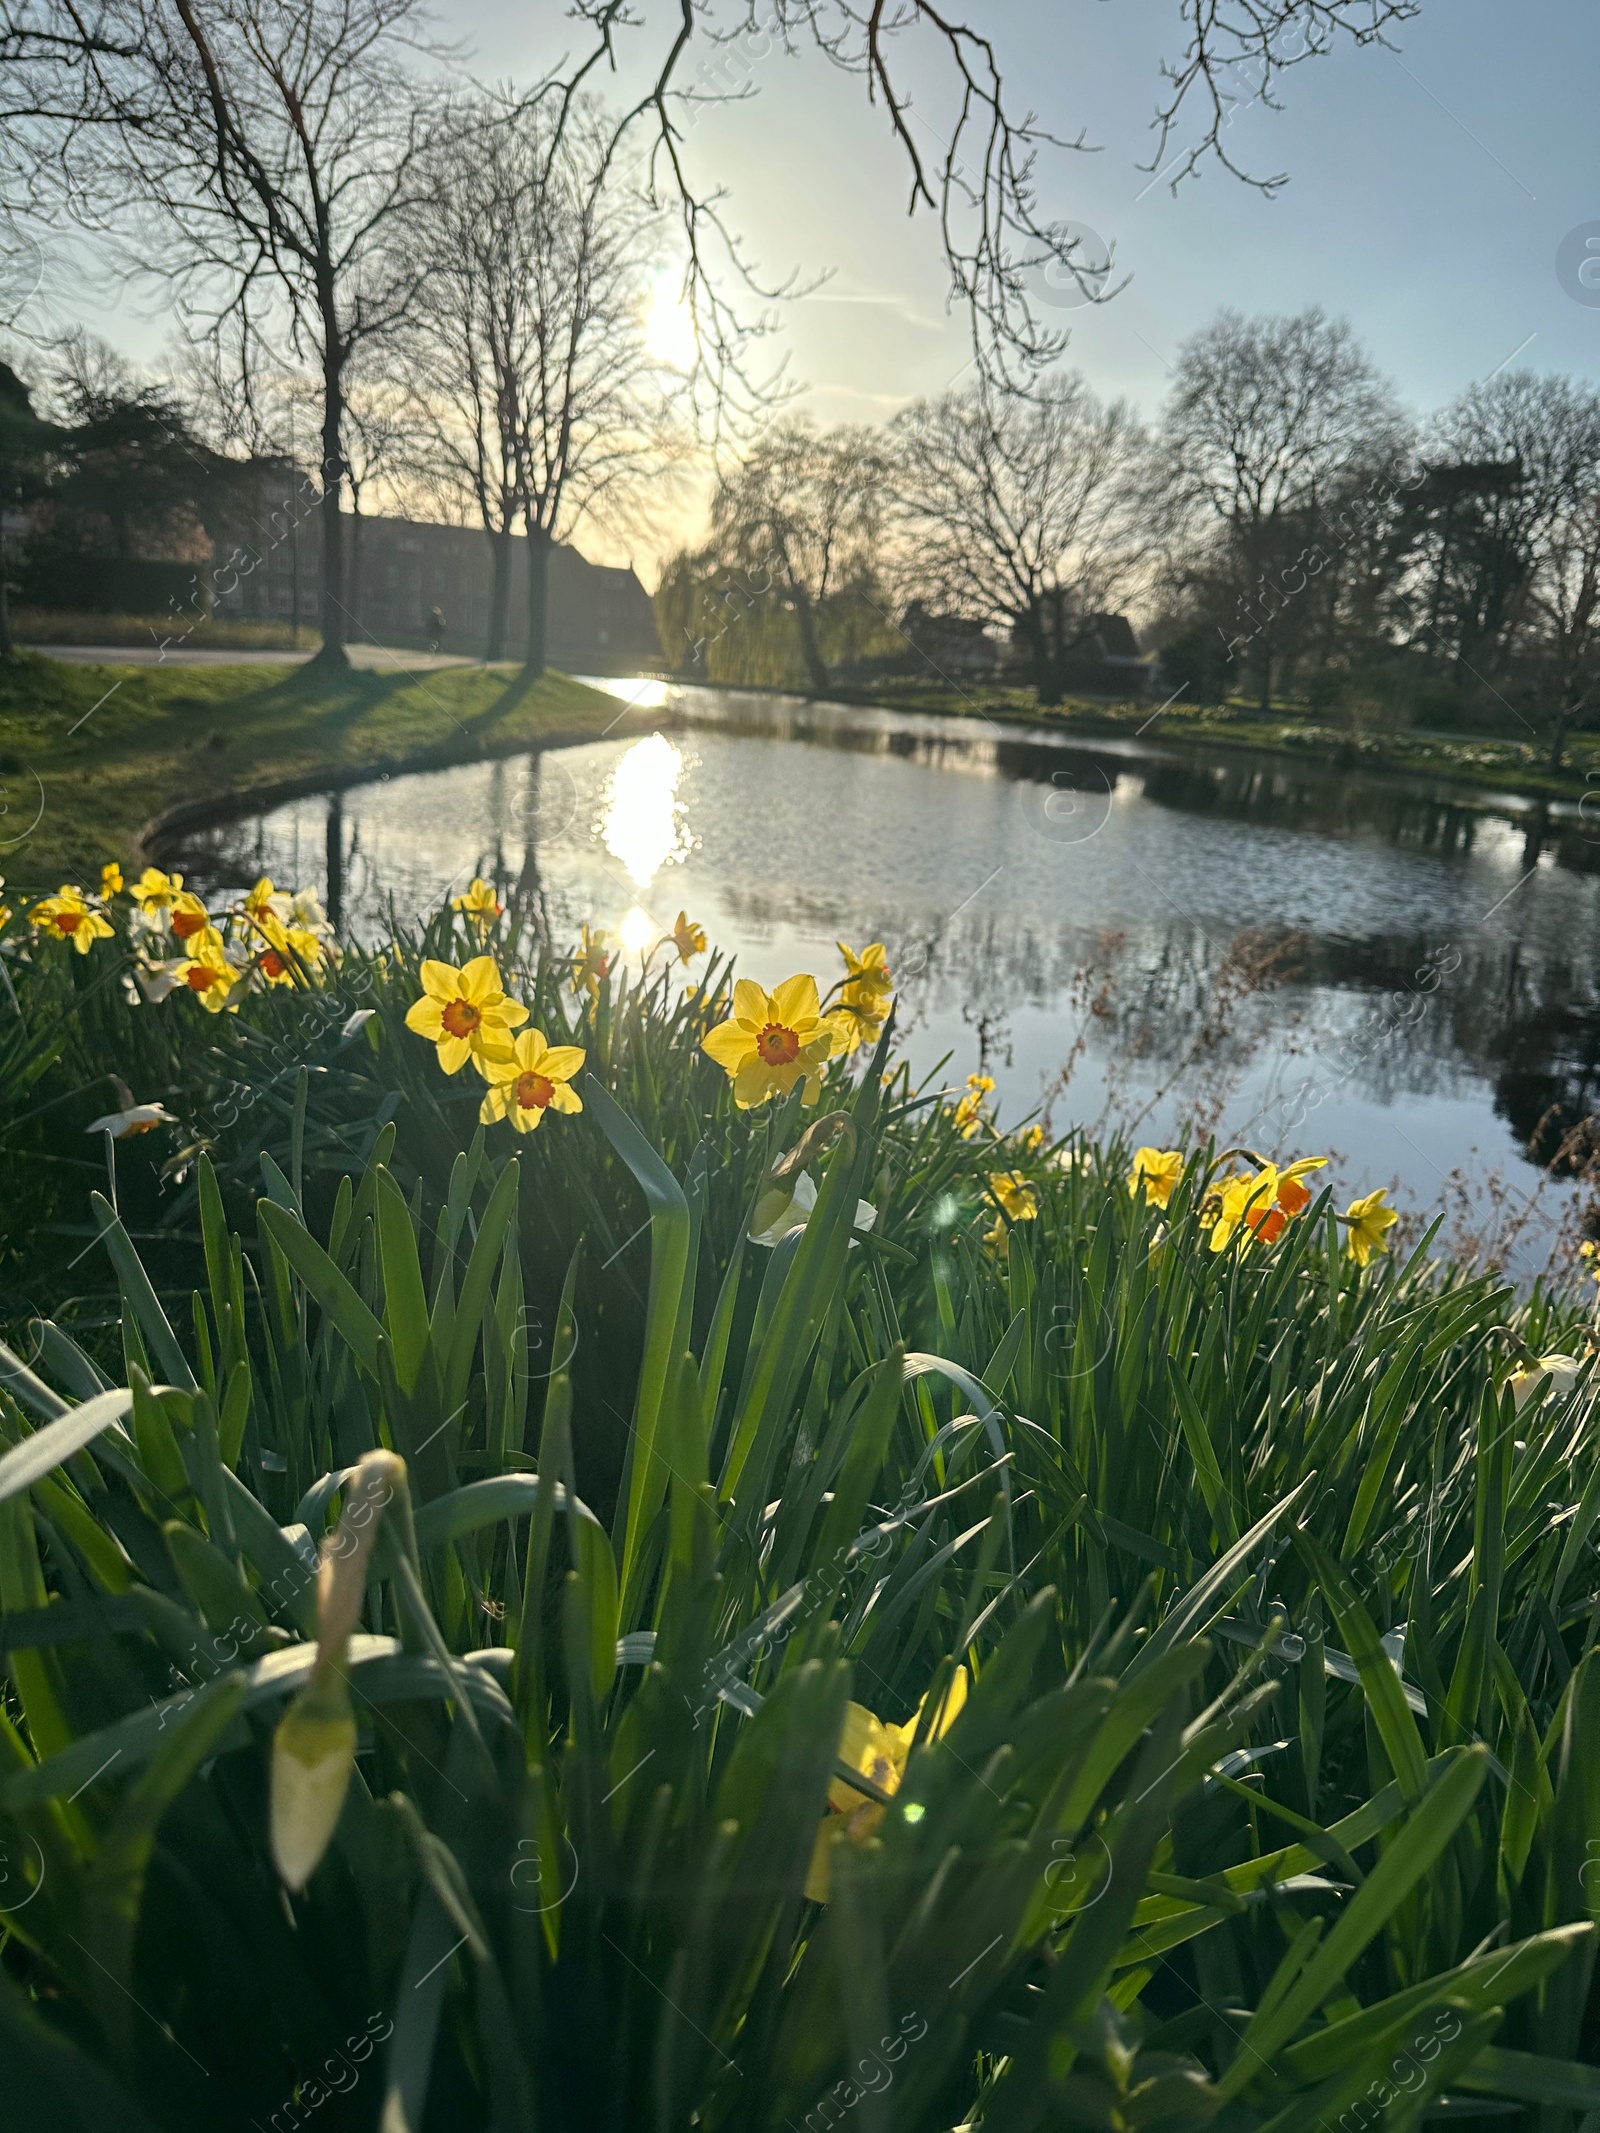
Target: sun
{"points": [[637, 931], [669, 335]]}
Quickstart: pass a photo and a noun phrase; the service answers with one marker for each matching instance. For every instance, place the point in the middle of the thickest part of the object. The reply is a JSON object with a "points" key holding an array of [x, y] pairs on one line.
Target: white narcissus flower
{"points": [[133, 1118], [314, 1747], [158, 978], [780, 1213], [1560, 1372], [130, 1118], [313, 1754]]}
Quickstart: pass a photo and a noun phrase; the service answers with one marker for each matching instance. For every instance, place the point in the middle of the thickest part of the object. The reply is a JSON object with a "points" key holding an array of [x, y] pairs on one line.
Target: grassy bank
{"points": [[1492, 762], [91, 756]]}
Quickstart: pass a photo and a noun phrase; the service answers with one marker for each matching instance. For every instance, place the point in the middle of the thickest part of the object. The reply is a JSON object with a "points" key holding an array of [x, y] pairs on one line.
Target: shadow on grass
{"points": [[511, 698]]}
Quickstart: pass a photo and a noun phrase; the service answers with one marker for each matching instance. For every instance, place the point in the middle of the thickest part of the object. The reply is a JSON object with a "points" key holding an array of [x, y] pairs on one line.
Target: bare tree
{"points": [[529, 331], [264, 156], [1236, 52], [1022, 510], [801, 517], [1516, 541], [1265, 418], [979, 178]]}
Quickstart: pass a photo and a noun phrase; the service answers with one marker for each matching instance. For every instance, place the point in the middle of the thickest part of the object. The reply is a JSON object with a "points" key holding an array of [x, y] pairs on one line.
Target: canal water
{"points": [[1136, 934]]}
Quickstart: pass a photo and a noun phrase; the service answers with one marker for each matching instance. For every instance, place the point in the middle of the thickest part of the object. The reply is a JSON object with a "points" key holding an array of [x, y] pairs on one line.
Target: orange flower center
{"points": [[1269, 1223], [461, 1018], [778, 1046], [203, 977], [534, 1092], [68, 922], [273, 964], [186, 922], [1293, 1197]]}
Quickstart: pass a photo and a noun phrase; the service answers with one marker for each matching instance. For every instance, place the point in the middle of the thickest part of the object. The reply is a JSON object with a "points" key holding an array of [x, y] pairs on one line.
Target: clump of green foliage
{"points": [[1273, 1796]]}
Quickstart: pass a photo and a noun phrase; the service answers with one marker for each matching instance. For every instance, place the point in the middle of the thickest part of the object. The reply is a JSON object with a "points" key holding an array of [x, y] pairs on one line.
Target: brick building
{"points": [[398, 570]]}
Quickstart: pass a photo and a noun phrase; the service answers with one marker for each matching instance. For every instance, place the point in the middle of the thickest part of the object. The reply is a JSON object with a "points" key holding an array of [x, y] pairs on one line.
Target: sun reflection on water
{"points": [[643, 821]]}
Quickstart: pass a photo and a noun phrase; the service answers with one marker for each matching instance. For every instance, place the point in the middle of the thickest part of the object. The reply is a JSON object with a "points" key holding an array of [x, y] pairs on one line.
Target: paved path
{"points": [[379, 656]]}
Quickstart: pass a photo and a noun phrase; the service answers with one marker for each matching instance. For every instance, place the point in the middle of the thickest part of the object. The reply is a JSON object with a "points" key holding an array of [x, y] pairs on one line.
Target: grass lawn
{"points": [[90, 756]]}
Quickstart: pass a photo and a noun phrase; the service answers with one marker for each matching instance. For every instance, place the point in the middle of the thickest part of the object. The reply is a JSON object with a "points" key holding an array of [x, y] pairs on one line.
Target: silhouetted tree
{"points": [[1022, 510]]}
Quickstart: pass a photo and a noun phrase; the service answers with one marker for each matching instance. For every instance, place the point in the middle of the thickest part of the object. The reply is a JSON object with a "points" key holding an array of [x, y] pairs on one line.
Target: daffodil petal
{"points": [[795, 1000], [728, 1045], [750, 1003], [441, 981], [480, 981]]}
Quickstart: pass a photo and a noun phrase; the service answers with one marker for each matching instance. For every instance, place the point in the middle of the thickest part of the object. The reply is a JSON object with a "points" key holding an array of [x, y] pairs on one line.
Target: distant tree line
{"points": [[1284, 528]]}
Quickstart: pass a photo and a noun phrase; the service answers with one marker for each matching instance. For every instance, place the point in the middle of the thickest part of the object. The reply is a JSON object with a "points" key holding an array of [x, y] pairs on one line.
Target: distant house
{"points": [[398, 570], [951, 644], [1100, 658]]}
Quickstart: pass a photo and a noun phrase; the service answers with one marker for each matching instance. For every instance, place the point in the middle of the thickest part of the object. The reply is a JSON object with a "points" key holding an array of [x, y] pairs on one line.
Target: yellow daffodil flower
{"points": [[1253, 1193], [870, 969], [1369, 1223], [154, 891], [968, 1114], [865, 999], [69, 916], [1016, 1194], [479, 903], [111, 883], [860, 1017], [289, 951], [1262, 1204], [533, 1079], [190, 920], [1030, 1139], [265, 902], [466, 1013], [1294, 1196], [210, 977], [880, 1753], [1158, 1171], [688, 938], [593, 963], [1588, 1251], [774, 1040]]}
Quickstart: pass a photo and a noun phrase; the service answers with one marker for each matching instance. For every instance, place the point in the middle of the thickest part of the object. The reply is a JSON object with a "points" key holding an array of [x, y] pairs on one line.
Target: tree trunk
{"points": [[811, 650], [352, 598], [334, 616], [1567, 709], [1046, 669], [1266, 676], [539, 546], [499, 593]]}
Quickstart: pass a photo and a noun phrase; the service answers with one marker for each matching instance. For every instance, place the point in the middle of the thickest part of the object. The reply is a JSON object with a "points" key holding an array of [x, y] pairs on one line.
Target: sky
{"points": [[1429, 192]]}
